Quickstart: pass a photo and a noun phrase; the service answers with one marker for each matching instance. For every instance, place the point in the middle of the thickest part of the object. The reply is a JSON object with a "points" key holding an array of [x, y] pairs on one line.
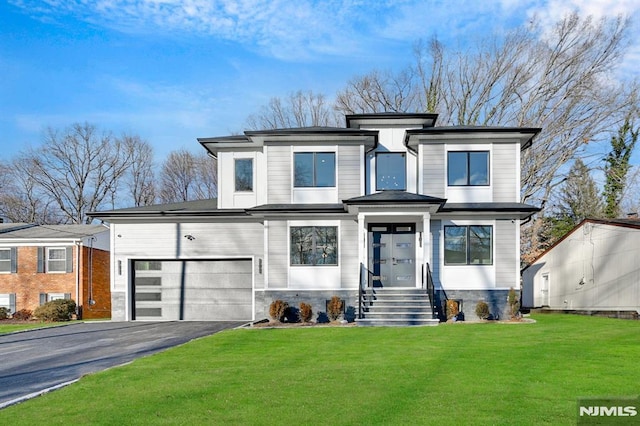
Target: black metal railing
{"points": [[431, 291], [361, 293]]}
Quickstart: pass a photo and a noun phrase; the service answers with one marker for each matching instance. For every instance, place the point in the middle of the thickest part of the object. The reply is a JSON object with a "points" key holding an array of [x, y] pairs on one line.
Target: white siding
{"points": [[279, 174], [596, 267], [278, 262], [349, 173], [506, 254], [434, 173], [504, 172], [349, 263]]}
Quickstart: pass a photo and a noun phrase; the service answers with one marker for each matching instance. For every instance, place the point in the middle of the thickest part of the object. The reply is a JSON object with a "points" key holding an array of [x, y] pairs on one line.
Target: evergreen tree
{"points": [[617, 167]]}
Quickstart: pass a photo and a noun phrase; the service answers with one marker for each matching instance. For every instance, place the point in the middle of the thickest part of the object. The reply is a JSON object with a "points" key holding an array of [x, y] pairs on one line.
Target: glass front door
{"points": [[392, 255]]}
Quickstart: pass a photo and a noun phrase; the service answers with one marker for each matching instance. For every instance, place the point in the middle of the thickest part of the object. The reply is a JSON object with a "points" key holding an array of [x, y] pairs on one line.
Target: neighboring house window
{"points": [[8, 300], [468, 245], [55, 259], [48, 297], [468, 168], [314, 245], [244, 174], [8, 260], [314, 169], [391, 171]]}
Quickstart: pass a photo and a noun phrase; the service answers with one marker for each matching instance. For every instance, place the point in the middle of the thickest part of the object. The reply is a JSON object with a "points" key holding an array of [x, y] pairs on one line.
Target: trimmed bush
{"points": [[334, 308], [277, 309], [482, 310], [56, 310], [4, 313], [306, 313], [22, 315]]}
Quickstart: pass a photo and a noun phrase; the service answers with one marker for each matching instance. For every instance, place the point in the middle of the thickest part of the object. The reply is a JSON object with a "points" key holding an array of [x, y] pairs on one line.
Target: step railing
{"points": [[431, 290]]}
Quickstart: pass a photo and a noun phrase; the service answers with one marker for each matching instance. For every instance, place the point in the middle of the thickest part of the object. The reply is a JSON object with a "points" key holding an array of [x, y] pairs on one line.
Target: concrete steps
{"points": [[396, 307]]}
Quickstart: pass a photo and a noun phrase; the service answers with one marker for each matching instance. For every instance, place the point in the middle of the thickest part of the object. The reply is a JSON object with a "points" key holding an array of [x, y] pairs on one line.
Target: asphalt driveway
{"points": [[38, 360]]}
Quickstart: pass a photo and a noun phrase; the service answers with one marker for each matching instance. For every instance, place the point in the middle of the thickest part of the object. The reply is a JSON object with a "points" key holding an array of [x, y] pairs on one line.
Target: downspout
{"points": [[78, 301]]}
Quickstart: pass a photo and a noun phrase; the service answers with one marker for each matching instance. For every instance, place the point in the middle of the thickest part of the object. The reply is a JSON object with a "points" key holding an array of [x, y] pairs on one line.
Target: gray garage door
{"points": [[192, 290]]}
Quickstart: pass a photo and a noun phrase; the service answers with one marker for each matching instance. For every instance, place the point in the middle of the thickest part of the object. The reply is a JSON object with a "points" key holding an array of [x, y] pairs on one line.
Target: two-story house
{"points": [[41, 263], [390, 202]]}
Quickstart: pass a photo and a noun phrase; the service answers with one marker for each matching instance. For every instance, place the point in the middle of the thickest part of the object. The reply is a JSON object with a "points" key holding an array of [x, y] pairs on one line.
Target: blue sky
{"points": [[174, 70]]}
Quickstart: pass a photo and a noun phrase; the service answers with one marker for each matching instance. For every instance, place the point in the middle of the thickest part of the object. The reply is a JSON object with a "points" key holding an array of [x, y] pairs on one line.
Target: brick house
{"points": [[40, 263]]}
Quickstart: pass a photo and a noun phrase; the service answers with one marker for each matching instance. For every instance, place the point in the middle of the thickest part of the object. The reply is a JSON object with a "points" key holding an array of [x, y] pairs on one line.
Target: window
{"points": [[8, 260], [468, 168], [391, 171], [56, 259], [314, 169], [468, 245], [314, 245], [48, 297], [244, 174]]}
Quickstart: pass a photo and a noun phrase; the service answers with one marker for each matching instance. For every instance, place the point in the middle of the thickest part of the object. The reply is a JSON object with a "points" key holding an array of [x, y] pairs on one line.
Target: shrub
{"points": [[56, 310], [514, 303], [452, 308], [277, 309], [482, 310], [22, 315], [334, 308], [306, 313], [4, 313]]}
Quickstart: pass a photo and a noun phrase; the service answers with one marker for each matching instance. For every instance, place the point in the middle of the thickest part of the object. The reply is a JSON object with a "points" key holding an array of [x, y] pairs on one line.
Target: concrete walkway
{"points": [[34, 362]]}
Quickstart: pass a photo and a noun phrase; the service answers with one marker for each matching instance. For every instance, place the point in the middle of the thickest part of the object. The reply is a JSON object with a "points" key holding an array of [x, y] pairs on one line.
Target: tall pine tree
{"points": [[617, 167]]}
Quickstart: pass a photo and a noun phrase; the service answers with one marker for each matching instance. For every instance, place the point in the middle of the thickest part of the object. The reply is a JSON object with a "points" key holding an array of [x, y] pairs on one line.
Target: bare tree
{"points": [[299, 109], [79, 169], [562, 81], [140, 177], [185, 176]]}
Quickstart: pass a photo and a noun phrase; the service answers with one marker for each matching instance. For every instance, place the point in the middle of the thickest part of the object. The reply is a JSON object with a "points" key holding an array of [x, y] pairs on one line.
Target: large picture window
{"points": [[468, 168], [468, 245], [244, 174], [314, 169], [391, 171], [314, 245]]}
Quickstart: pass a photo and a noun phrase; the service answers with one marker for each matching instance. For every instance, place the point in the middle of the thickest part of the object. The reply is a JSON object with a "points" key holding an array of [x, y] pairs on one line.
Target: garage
{"points": [[192, 290]]}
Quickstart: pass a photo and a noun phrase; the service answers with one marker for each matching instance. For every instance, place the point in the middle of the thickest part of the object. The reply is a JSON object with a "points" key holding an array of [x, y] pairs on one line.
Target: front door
{"points": [[392, 255]]}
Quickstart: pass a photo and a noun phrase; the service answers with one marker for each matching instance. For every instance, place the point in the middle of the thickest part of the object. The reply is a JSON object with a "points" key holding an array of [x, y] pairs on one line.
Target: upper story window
{"points": [[314, 245], [55, 259], [468, 168], [244, 174], [7, 260], [314, 169], [391, 171], [468, 245]]}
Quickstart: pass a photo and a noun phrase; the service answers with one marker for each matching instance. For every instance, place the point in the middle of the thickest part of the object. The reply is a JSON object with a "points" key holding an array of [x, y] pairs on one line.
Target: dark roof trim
{"points": [[425, 117], [295, 208], [394, 197], [489, 207], [435, 131]]}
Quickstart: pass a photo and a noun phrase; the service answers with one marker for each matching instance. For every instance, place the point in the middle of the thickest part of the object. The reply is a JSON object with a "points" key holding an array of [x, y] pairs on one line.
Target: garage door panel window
{"points": [[314, 245]]}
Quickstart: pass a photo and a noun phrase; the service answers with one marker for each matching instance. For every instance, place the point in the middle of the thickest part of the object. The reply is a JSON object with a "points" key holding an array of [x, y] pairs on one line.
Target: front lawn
{"points": [[450, 374], [11, 327]]}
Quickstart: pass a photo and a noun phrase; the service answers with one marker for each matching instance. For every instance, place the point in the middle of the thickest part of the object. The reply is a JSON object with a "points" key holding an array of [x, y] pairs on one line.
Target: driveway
{"points": [[35, 361]]}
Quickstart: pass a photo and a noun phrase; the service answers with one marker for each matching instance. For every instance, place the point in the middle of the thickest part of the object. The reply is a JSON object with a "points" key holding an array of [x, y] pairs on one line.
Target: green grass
{"points": [[451, 374], [12, 328]]}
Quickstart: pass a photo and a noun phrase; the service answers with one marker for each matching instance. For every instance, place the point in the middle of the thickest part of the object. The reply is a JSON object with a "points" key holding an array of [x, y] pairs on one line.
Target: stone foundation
{"points": [[496, 299], [317, 299]]}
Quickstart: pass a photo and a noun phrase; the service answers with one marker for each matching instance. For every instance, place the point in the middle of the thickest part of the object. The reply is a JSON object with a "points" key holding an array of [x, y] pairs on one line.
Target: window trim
{"points": [[48, 260], [468, 167], [314, 246], [235, 175], [404, 155], [12, 260], [314, 177], [467, 245]]}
